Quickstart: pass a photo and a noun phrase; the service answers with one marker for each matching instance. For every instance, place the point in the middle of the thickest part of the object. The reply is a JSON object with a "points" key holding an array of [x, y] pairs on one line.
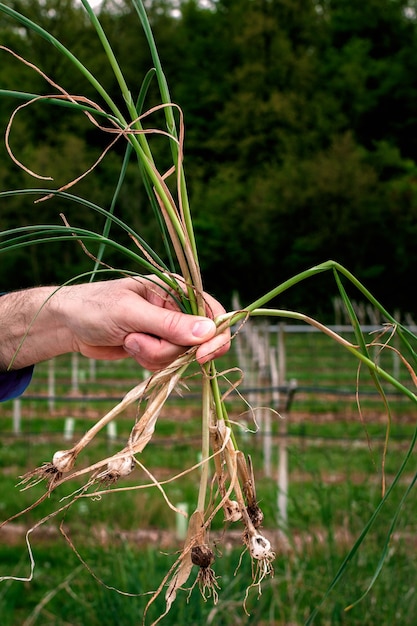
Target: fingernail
{"points": [[203, 327], [132, 347]]}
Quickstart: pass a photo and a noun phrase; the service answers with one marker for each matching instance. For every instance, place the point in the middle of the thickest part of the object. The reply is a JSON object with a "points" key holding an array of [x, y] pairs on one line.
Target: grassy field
{"points": [[337, 459]]}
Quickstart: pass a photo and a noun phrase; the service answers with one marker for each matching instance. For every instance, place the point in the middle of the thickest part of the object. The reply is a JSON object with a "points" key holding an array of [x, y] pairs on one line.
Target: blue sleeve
{"points": [[14, 382]]}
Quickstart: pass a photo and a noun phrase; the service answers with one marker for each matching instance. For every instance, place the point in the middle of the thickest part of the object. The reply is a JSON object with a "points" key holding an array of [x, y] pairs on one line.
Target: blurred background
{"points": [[300, 146]]}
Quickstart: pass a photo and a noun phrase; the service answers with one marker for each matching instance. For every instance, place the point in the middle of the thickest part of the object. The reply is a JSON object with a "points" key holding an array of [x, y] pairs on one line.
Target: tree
{"points": [[300, 132]]}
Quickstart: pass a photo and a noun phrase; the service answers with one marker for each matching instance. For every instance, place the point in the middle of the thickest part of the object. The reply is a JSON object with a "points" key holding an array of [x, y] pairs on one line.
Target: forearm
{"points": [[30, 331]]}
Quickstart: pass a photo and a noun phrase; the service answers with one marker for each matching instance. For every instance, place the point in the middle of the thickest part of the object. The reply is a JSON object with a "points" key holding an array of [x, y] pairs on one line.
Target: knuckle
{"points": [[172, 325]]}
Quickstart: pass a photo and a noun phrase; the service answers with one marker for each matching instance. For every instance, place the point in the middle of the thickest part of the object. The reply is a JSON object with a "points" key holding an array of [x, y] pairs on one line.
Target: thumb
{"points": [[175, 327], [202, 328], [186, 330], [159, 344]]}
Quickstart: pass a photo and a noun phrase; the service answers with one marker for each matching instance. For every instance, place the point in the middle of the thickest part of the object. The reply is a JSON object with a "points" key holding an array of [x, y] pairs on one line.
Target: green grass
{"points": [[335, 485], [339, 467], [298, 583]]}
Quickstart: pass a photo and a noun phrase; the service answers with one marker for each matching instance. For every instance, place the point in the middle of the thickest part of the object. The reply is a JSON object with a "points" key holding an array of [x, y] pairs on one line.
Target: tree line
{"points": [[300, 138]]}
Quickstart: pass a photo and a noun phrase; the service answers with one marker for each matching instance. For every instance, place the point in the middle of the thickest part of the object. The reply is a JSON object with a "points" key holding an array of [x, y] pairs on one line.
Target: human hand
{"points": [[137, 317], [105, 320]]}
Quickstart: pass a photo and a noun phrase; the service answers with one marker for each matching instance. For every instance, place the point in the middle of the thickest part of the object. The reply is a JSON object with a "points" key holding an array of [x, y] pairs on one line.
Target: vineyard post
{"points": [[282, 435]]}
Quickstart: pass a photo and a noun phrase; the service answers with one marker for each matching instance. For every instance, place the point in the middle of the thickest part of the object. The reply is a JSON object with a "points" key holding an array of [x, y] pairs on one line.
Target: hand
{"points": [[109, 320], [136, 317]]}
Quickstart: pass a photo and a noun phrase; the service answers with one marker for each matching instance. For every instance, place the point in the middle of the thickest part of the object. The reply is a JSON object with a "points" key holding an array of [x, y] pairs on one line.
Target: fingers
{"points": [[168, 334], [160, 332], [153, 353], [213, 349], [153, 290], [218, 345]]}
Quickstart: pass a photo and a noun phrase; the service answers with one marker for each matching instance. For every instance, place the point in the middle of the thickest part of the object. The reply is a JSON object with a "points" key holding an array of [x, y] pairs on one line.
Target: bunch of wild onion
{"points": [[219, 446]]}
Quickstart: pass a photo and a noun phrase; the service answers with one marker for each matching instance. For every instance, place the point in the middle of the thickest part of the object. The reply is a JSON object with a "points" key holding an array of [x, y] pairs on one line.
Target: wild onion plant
{"points": [[179, 271]]}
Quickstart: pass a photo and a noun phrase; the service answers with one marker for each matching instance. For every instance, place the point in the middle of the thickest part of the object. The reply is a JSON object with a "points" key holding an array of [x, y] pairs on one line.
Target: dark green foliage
{"points": [[300, 138]]}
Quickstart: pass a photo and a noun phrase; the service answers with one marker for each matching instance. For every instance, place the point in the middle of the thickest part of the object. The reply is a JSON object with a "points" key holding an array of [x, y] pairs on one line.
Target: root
{"points": [[48, 472]]}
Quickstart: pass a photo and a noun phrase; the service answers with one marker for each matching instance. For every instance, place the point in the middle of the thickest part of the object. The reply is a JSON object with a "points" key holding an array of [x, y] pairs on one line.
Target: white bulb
{"points": [[122, 466], [232, 510], [63, 460], [260, 547]]}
